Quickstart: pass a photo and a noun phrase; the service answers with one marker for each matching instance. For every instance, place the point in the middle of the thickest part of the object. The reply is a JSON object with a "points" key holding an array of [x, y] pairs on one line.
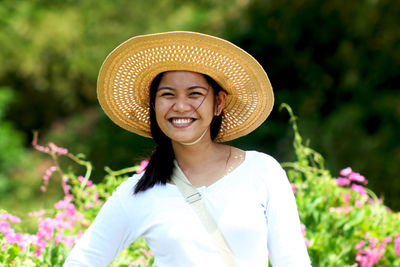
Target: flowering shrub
{"points": [[60, 227], [343, 222]]}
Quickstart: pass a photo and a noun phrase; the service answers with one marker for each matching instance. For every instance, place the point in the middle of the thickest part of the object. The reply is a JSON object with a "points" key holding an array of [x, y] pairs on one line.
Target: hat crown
{"points": [[126, 74]]}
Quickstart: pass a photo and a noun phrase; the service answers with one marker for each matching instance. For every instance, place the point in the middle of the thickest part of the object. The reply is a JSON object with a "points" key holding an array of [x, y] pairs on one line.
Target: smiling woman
{"points": [[199, 202], [185, 105]]}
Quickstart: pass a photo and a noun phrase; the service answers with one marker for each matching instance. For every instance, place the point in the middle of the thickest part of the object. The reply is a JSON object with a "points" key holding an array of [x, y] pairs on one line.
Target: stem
{"points": [[88, 173], [120, 172], [299, 168]]}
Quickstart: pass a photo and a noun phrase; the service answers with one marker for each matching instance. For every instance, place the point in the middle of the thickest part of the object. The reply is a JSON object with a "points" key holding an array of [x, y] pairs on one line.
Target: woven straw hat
{"points": [[124, 81]]}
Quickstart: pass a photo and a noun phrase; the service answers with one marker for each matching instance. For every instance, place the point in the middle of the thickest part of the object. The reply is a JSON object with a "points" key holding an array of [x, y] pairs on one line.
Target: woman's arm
{"points": [[109, 234], [285, 241]]}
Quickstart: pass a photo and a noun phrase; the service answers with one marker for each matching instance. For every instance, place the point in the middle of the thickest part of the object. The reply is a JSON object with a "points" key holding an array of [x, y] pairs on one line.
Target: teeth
{"points": [[181, 121]]}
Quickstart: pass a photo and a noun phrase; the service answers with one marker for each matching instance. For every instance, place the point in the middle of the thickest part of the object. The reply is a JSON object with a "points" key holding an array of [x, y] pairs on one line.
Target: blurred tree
{"points": [[337, 64], [11, 142], [54, 50]]}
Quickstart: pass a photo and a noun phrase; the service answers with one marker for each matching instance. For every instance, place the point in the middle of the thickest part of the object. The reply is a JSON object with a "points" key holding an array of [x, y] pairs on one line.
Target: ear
{"points": [[219, 102]]}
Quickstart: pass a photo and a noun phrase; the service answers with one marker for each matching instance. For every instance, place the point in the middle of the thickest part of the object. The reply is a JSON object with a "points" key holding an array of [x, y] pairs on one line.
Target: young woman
{"points": [[190, 92]]}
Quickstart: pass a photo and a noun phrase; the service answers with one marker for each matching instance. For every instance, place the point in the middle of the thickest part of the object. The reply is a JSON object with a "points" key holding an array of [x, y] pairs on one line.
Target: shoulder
{"points": [[125, 190], [263, 169], [125, 193], [262, 161]]}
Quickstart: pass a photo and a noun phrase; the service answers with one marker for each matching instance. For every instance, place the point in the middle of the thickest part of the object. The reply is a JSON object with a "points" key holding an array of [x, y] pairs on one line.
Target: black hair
{"points": [[161, 162]]}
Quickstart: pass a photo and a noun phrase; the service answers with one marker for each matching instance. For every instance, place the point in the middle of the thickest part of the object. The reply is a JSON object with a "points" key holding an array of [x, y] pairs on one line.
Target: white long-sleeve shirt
{"points": [[253, 205]]}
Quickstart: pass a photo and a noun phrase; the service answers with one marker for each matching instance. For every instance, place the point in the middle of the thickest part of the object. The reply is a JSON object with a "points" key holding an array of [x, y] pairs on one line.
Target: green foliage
{"points": [[341, 225], [335, 62], [83, 200], [11, 142], [337, 218]]}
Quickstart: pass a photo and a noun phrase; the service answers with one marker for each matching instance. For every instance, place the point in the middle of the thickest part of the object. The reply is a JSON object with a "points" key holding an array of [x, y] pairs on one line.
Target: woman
{"points": [[199, 202]]}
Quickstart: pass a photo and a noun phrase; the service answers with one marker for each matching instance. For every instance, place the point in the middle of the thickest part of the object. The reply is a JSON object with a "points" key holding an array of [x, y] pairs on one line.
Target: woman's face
{"points": [[185, 105]]}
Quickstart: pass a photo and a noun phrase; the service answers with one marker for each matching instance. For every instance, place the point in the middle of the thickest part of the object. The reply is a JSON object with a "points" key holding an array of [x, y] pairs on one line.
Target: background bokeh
{"points": [[336, 63]]}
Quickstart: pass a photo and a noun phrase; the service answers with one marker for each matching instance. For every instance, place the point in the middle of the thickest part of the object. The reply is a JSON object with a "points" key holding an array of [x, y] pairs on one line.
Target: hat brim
{"points": [[124, 80]]}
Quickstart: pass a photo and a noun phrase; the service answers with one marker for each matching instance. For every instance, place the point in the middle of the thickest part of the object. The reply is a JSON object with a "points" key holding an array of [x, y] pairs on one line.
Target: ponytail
{"points": [[161, 163]]}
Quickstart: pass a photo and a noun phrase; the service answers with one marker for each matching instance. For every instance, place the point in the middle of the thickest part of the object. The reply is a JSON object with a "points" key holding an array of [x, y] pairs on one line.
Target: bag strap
{"points": [[193, 197]]}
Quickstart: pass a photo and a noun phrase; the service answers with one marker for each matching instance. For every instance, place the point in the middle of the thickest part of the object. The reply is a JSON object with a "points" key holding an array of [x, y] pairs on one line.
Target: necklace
{"points": [[196, 141]]}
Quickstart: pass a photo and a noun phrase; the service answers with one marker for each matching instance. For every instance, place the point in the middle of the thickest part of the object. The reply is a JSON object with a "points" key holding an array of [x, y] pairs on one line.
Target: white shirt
{"points": [[254, 207]]}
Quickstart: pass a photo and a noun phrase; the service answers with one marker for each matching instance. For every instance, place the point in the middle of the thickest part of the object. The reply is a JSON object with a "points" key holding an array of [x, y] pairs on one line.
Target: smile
{"points": [[181, 122]]}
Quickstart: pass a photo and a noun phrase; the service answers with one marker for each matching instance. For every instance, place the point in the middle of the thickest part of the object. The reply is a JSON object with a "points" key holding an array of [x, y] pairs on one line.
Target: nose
{"points": [[182, 105]]}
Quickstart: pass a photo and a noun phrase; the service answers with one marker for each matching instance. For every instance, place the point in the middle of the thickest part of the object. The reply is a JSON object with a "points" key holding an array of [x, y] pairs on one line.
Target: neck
{"points": [[194, 156]]}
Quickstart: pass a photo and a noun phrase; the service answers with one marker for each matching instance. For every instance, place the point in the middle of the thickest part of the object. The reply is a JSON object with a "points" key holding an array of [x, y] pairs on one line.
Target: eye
{"points": [[196, 93], [165, 93]]}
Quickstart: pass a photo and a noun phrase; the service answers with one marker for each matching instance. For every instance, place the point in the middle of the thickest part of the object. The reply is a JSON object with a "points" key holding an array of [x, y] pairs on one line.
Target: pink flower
{"points": [[9, 217], [303, 229], [82, 180], [345, 209], [354, 176], [373, 242], [346, 171], [89, 205], [147, 253], [342, 181], [358, 204], [293, 187], [62, 204], [346, 198], [397, 245], [367, 256], [37, 213], [303, 232], [360, 244], [46, 177], [387, 239], [58, 150], [40, 148], [359, 188], [142, 167]]}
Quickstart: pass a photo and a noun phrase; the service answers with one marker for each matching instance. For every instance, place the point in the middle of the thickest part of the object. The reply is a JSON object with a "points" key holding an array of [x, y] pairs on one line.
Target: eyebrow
{"points": [[189, 88]]}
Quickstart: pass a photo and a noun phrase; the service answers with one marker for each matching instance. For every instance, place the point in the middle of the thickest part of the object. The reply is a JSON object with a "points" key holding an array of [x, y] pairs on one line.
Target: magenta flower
{"points": [[346, 198], [387, 239], [368, 256], [346, 171], [293, 187], [82, 180], [359, 188], [11, 237], [9, 217], [373, 242], [355, 176], [46, 177], [303, 232], [58, 150], [39, 213], [360, 244], [142, 167], [342, 181], [344, 209], [397, 245]]}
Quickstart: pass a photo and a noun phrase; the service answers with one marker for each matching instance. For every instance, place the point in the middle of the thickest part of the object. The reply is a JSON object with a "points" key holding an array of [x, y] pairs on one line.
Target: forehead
{"points": [[183, 78]]}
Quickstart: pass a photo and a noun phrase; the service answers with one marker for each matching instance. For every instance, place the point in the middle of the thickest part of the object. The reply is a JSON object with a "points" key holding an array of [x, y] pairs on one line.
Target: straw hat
{"points": [[126, 74]]}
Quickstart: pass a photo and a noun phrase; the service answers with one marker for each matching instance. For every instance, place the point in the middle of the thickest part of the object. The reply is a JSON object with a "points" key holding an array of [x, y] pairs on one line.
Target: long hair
{"points": [[161, 162]]}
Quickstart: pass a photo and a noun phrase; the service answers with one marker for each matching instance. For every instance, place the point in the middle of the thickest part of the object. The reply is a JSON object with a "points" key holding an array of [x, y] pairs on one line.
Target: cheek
{"points": [[159, 111]]}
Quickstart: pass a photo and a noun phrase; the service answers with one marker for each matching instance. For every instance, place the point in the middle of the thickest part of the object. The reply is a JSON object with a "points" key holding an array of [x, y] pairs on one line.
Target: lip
{"points": [[181, 122]]}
